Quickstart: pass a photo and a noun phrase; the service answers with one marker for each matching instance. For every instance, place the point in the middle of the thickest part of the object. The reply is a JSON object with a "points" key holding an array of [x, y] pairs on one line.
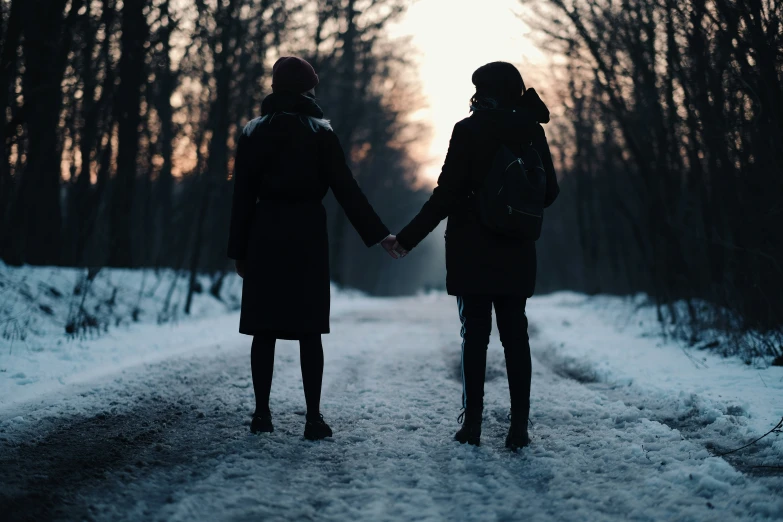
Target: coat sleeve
{"points": [[244, 200], [452, 190], [348, 194], [552, 188]]}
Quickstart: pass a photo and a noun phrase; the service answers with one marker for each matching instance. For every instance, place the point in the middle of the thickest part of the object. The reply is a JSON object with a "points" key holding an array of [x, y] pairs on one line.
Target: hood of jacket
{"points": [[518, 122], [291, 103]]}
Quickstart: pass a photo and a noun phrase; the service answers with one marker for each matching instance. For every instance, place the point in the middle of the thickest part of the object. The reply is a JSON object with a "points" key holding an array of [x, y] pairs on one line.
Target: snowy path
{"points": [[169, 441]]}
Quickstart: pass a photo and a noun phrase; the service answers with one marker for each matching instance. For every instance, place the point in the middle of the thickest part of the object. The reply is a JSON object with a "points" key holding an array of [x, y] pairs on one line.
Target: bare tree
{"points": [[10, 35], [36, 217], [131, 77], [128, 113], [676, 113]]}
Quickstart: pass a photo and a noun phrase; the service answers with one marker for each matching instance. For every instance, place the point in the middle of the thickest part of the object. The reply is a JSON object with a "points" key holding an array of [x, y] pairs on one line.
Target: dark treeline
{"points": [[673, 158], [120, 120]]}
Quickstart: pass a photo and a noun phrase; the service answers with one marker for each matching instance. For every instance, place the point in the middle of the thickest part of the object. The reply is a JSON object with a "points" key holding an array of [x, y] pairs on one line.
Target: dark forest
{"points": [[672, 133], [121, 120], [120, 123]]}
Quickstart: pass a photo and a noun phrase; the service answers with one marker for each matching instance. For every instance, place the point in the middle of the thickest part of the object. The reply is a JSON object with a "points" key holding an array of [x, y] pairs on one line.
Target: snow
{"points": [[37, 356], [625, 425], [614, 344], [43, 359]]}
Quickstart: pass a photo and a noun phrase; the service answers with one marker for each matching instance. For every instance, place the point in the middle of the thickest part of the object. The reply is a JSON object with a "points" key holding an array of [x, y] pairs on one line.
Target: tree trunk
{"points": [[132, 76], [8, 54], [166, 83], [345, 129], [37, 219], [79, 189], [219, 118]]}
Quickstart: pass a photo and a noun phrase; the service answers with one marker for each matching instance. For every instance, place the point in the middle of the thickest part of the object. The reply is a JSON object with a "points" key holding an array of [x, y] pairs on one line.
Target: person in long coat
{"points": [[286, 161], [485, 269]]}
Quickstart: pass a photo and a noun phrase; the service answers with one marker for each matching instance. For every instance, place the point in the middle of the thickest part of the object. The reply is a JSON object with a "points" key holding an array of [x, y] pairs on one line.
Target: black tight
{"points": [[262, 361], [311, 358]]}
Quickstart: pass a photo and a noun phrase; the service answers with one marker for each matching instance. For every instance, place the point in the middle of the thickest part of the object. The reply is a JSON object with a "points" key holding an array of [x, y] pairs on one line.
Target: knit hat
{"points": [[293, 74], [499, 80]]}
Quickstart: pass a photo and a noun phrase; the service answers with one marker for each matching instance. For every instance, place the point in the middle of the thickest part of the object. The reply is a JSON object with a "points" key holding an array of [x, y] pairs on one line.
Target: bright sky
{"points": [[454, 38]]}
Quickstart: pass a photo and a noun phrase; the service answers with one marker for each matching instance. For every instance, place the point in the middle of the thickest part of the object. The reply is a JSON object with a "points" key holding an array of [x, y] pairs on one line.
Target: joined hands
{"points": [[393, 248]]}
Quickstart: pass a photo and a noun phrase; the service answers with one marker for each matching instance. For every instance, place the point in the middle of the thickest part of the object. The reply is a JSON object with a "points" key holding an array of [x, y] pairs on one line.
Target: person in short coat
{"points": [[484, 269]]}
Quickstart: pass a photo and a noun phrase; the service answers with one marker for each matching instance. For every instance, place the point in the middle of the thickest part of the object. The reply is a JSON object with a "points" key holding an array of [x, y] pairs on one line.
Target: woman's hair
{"points": [[498, 85], [480, 101]]}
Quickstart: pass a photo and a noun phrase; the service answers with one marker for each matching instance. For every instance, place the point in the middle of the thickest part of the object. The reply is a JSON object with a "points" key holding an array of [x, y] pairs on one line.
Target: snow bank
{"points": [[132, 317], [59, 324], [617, 344], [39, 303]]}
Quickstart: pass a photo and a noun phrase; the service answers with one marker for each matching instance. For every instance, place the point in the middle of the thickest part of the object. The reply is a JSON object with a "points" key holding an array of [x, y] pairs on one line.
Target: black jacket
{"points": [[285, 164], [477, 261]]}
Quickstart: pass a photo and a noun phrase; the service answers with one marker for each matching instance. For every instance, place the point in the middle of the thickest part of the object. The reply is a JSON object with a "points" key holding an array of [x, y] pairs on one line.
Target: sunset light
{"points": [[452, 39]]}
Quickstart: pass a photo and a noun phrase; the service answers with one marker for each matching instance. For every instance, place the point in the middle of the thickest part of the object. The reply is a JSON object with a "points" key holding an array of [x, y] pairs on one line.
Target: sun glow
{"points": [[453, 38]]}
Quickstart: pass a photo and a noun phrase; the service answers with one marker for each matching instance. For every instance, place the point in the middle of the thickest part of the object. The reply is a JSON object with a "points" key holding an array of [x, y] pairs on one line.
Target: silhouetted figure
{"points": [[491, 266], [286, 162]]}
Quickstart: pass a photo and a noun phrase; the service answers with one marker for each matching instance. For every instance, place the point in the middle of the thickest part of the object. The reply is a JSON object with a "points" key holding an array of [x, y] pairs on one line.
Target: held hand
{"points": [[240, 267], [388, 245], [399, 249]]}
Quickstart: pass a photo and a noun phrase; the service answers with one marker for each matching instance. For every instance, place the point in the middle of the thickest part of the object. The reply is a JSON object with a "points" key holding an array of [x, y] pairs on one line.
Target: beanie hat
{"points": [[293, 74], [499, 80]]}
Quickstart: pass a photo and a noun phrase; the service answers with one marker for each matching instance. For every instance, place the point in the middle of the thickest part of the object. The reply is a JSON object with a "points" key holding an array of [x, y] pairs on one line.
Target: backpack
{"points": [[511, 201]]}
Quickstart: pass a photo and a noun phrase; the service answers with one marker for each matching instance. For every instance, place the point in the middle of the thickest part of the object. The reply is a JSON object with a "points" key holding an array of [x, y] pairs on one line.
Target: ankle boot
{"points": [[316, 428], [517, 433], [262, 423], [471, 427]]}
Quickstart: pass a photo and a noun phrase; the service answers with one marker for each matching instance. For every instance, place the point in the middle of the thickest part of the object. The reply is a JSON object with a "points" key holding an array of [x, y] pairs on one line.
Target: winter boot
{"points": [[316, 428], [471, 427], [262, 423], [517, 433]]}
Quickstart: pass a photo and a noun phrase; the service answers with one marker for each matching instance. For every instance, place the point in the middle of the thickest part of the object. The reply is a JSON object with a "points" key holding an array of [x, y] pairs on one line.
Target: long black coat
{"points": [[479, 262], [284, 167]]}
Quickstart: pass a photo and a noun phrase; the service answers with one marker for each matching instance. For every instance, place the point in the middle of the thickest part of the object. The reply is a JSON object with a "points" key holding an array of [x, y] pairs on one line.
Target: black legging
{"points": [[476, 316], [262, 361]]}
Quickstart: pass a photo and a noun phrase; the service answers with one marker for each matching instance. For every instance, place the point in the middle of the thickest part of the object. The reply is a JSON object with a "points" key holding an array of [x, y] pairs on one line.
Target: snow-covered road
{"points": [[169, 440]]}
